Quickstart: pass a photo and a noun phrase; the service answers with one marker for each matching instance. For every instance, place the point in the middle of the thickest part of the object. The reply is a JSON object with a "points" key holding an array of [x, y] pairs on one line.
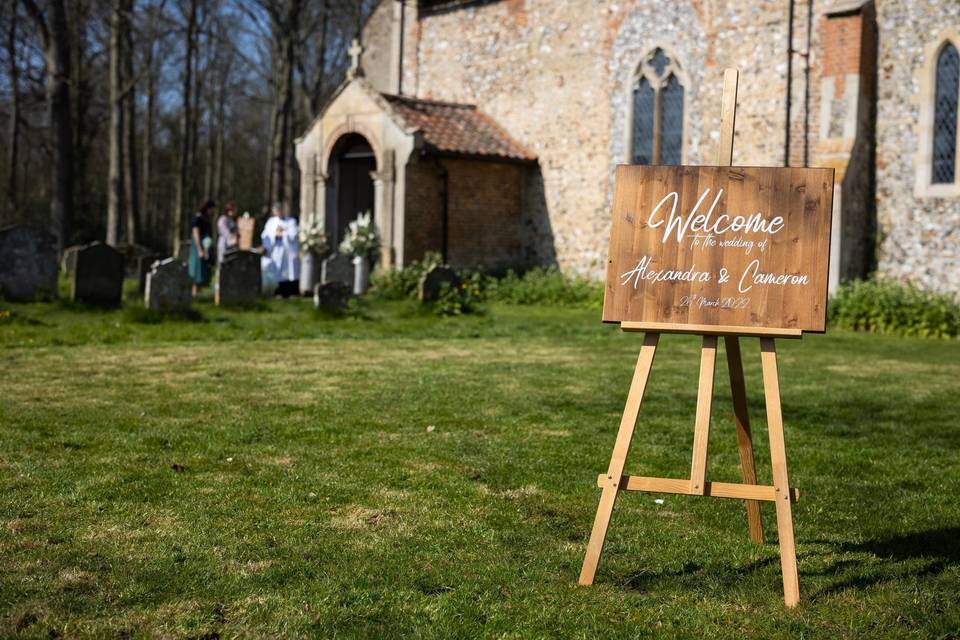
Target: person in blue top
{"points": [[200, 263]]}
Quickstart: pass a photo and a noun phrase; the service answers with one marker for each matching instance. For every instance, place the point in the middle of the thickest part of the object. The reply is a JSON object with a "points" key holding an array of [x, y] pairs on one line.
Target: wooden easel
{"points": [[613, 481]]}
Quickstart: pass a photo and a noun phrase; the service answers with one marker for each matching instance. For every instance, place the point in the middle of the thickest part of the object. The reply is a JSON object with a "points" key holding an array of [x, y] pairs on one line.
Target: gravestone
{"points": [[331, 296], [69, 261], [168, 287], [431, 284], [144, 265], [28, 264], [238, 280], [337, 268], [97, 278]]}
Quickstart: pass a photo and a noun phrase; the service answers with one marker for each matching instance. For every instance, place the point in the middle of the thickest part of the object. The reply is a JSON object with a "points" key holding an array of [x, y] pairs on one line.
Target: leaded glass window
{"points": [[945, 116], [643, 97], [657, 128]]}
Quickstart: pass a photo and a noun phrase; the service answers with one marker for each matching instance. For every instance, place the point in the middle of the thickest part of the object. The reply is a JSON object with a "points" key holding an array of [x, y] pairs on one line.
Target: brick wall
{"points": [[485, 200], [422, 210], [484, 204]]}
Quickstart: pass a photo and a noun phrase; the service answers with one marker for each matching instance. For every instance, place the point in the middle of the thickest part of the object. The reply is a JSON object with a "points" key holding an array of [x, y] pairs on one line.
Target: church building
{"points": [[489, 130]]}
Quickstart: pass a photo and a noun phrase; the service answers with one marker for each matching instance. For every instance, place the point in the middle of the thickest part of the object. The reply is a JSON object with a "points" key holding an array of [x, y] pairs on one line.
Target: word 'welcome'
{"points": [[706, 223]]}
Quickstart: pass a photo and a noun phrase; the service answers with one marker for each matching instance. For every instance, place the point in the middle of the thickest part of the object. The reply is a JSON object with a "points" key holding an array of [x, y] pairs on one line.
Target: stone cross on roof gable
{"points": [[355, 51]]}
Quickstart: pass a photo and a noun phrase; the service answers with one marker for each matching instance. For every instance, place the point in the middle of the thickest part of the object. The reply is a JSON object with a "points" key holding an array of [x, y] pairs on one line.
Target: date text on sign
{"points": [[720, 246]]}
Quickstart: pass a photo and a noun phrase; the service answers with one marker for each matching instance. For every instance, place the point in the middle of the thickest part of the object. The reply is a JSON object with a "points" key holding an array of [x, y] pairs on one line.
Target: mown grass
{"points": [[395, 474]]}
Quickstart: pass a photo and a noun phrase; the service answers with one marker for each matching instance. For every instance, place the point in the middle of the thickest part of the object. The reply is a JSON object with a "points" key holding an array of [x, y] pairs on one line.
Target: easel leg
{"points": [[619, 458], [744, 440], [701, 429], [778, 459]]}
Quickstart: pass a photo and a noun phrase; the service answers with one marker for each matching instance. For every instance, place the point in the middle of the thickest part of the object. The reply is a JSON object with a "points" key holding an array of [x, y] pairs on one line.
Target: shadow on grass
{"points": [[921, 554], [918, 554]]}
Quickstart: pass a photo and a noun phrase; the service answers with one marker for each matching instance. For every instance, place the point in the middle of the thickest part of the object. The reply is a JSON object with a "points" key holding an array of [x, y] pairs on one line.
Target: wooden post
{"points": [[738, 389]]}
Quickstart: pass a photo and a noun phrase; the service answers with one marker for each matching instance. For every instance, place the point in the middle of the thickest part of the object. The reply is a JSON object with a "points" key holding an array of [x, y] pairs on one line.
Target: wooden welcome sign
{"points": [[720, 246], [716, 251]]}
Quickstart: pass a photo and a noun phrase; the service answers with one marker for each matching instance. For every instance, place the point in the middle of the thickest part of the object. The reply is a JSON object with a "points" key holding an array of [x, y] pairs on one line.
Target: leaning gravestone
{"points": [[69, 261], [144, 266], [238, 281], [338, 268], [431, 284], [168, 287], [331, 296], [97, 278], [28, 264]]}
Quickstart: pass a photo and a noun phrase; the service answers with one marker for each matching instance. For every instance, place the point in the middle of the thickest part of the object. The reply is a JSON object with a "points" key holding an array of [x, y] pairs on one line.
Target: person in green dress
{"points": [[201, 259]]}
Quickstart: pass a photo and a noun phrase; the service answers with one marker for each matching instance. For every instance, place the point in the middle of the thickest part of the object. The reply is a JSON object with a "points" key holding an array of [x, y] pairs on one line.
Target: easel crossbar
{"points": [[712, 489]]}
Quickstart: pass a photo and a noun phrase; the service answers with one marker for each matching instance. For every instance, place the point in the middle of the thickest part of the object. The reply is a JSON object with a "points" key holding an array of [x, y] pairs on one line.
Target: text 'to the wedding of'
{"points": [[716, 251]]}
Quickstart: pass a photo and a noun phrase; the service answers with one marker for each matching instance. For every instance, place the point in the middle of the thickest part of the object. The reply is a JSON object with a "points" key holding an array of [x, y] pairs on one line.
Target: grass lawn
{"points": [[278, 473]]}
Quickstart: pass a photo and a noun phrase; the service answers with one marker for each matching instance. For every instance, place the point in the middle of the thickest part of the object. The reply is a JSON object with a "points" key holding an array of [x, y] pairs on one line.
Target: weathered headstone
{"points": [[144, 265], [238, 280], [69, 261], [98, 276], [28, 264], [331, 296], [337, 268], [431, 284], [168, 287]]}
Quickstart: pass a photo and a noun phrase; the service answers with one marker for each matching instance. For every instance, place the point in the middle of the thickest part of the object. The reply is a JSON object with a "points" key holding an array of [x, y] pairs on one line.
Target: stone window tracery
{"points": [[657, 130], [938, 128]]}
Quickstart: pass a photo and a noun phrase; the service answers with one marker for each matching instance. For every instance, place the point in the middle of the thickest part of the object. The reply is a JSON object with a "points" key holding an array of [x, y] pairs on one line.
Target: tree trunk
{"points": [[114, 178], [146, 208], [282, 116], [186, 120], [14, 134], [130, 176], [55, 42]]}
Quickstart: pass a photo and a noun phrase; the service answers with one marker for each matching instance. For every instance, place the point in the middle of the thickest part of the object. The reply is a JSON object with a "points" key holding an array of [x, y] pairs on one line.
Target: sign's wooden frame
{"points": [[613, 481]]}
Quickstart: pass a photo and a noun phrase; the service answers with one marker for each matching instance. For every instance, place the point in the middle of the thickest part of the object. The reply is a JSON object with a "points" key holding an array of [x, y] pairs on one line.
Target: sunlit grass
{"points": [[392, 473]]}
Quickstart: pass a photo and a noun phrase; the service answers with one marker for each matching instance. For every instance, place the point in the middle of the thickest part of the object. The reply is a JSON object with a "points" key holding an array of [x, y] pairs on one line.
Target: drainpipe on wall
{"points": [[806, 87], [786, 126], [403, 6], [444, 210]]}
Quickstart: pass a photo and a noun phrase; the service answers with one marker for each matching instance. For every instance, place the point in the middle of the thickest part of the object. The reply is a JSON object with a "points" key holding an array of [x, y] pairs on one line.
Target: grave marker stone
{"points": [[28, 264], [431, 284], [97, 278], [238, 280], [168, 287], [331, 296], [144, 265], [337, 268], [69, 261]]}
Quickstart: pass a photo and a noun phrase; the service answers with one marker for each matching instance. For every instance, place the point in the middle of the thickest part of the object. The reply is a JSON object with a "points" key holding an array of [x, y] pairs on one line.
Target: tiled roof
{"points": [[459, 129]]}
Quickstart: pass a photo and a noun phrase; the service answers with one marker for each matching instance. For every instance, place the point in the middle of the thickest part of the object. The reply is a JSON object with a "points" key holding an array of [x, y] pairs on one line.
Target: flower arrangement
{"points": [[361, 238], [313, 239]]}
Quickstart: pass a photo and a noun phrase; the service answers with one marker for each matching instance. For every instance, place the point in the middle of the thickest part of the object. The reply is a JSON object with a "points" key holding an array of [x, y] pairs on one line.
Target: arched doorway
{"points": [[351, 162]]}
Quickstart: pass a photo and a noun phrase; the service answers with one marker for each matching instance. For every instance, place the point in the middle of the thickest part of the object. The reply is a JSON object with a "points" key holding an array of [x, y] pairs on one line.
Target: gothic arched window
{"points": [[657, 127], [944, 170]]}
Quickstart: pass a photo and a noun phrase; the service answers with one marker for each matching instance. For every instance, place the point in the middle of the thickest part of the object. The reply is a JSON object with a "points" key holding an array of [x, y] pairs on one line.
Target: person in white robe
{"points": [[281, 246]]}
